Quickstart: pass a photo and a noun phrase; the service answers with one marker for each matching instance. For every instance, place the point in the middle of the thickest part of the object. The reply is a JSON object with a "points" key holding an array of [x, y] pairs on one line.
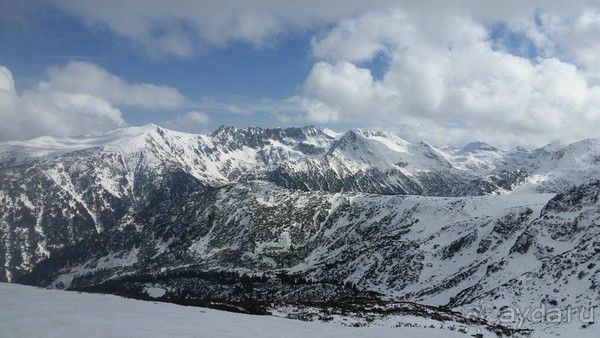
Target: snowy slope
{"points": [[556, 168], [33, 312], [553, 264]]}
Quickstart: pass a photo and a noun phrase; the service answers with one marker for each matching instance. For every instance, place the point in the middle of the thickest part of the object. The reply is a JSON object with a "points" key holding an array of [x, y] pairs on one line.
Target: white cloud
{"points": [[7, 87], [236, 109], [446, 79], [574, 37], [36, 113], [89, 78], [74, 99], [445, 74], [190, 121], [343, 90], [182, 28]]}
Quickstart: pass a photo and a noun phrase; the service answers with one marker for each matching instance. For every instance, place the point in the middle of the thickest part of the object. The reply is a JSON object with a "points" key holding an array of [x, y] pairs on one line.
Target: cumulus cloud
{"points": [[574, 37], [74, 99], [446, 77], [7, 87], [182, 28], [35, 113], [89, 78], [444, 73]]}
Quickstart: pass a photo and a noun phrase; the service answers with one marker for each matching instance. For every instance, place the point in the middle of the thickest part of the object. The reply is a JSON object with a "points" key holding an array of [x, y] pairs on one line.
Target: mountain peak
{"points": [[477, 146], [124, 138], [552, 146]]}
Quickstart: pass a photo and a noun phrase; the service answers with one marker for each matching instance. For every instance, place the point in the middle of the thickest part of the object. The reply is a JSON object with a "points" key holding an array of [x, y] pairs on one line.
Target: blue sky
{"points": [[234, 74], [522, 73]]}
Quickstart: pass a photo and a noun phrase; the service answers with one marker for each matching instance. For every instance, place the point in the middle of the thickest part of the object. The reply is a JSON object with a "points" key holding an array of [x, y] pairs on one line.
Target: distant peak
{"points": [[586, 145], [588, 142], [552, 146], [477, 146], [353, 135]]}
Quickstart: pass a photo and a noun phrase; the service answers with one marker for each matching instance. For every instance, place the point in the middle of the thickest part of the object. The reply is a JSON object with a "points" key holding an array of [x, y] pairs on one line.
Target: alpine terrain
{"points": [[360, 228]]}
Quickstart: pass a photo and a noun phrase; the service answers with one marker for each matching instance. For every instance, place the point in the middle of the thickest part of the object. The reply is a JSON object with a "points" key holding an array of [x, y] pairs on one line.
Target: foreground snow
{"points": [[33, 312]]}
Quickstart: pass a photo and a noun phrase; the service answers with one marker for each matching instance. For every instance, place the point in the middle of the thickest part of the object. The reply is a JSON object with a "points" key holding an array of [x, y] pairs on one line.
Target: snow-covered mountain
{"points": [[310, 158], [480, 159], [255, 241], [559, 168], [307, 158], [258, 219], [58, 191]]}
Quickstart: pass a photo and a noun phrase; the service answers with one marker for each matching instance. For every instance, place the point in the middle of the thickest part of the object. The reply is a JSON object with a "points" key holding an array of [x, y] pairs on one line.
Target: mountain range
{"points": [[292, 220]]}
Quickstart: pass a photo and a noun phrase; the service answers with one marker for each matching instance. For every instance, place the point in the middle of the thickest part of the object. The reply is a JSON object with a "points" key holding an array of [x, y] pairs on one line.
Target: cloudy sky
{"points": [[506, 72]]}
